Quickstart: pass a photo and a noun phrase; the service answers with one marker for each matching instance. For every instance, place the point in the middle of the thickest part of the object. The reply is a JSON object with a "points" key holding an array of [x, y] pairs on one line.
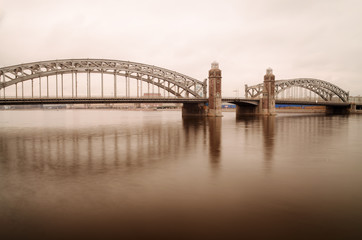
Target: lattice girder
{"points": [[173, 82], [322, 88]]}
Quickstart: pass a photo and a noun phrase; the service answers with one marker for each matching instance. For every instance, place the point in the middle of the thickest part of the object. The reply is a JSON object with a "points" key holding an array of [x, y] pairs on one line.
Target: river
{"points": [[155, 175]]}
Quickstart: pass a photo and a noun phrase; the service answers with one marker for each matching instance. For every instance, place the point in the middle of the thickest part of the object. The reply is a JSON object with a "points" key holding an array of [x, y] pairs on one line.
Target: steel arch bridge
{"points": [[180, 85], [322, 88]]}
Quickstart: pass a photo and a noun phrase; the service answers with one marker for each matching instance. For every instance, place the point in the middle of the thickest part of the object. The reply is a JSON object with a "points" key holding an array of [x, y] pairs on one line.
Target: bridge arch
{"points": [[173, 82], [324, 89]]}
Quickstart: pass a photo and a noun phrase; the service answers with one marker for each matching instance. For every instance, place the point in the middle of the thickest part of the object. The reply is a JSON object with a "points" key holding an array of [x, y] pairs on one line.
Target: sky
{"points": [[310, 38]]}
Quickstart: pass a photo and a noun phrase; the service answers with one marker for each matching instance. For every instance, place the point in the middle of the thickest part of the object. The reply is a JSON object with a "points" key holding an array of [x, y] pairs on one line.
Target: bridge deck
{"points": [[315, 103], [28, 101], [255, 101]]}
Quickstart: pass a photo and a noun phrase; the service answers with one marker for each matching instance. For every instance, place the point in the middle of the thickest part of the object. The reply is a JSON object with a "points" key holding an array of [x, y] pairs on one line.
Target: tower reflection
{"points": [[268, 141], [260, 129], [214, 127]]}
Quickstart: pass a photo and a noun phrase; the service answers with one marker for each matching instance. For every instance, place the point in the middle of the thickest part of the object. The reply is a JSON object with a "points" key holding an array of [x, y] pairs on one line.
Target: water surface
{"points": [[155, 175]]}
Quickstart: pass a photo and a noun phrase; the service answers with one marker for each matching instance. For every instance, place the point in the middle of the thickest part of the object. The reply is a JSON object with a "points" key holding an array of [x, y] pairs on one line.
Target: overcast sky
{"points": [[305, 38]]}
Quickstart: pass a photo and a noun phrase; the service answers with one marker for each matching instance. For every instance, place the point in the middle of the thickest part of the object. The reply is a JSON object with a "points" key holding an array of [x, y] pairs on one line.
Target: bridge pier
{"points": [[194, 110], [353, 108], [338, 110], [244, 109]]}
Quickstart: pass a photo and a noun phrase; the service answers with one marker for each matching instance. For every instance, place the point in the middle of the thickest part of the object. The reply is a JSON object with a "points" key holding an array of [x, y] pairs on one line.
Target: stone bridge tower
{"points": [[214, 91], [268, 101]]}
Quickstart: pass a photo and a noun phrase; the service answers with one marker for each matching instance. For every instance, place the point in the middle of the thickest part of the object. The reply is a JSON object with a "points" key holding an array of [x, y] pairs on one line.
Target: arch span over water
{"points": [[324, 89], [176, 83]]}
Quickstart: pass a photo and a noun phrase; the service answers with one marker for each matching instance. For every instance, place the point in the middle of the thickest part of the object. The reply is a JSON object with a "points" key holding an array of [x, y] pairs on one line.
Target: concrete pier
{"points": [[194, 110], [338, 110], [244, 109], [353, 108]]}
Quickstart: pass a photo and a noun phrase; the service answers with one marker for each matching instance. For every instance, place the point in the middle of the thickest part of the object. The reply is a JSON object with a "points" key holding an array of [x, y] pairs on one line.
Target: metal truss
{"points": [[322, 88], [173, 82]]}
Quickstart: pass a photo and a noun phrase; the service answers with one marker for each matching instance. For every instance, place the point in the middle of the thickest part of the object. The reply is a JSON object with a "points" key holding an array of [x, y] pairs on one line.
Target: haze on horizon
{"points": [[319, 39]]}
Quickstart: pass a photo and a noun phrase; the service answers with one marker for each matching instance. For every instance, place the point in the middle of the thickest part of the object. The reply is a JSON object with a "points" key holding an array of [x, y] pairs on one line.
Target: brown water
{"points": [[154, 175]]}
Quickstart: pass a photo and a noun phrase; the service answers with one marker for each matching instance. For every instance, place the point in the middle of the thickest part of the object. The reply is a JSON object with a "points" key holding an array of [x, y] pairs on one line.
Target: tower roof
{"points": [[214, 65]]}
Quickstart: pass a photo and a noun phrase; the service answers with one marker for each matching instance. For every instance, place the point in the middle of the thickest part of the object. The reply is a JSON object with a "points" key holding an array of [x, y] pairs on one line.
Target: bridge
{"points": [[91, 81], [323, 89]]}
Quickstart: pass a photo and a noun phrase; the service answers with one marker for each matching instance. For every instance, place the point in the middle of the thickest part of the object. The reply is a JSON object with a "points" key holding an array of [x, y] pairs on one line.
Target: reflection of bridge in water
{"points": [[95, 81], [90, 150]]}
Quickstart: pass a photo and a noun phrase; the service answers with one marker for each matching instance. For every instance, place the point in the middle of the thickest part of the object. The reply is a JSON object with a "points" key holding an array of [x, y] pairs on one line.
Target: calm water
{"points": [[155, 175]]}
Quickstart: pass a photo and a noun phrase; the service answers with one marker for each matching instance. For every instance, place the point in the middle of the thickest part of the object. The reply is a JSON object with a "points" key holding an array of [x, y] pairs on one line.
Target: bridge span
{"points": [[103, 81]]}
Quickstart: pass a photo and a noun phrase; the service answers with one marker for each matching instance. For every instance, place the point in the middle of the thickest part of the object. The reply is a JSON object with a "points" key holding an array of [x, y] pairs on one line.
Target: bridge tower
{"points": [[268, 100], [214, 91]]}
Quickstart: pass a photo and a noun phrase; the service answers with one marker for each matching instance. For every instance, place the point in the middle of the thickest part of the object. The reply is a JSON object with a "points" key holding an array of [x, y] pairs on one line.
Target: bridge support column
{"points": [[193, 110], [337, 110], [243, 110], [353, 108], [214, 91], [268, 100]]}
